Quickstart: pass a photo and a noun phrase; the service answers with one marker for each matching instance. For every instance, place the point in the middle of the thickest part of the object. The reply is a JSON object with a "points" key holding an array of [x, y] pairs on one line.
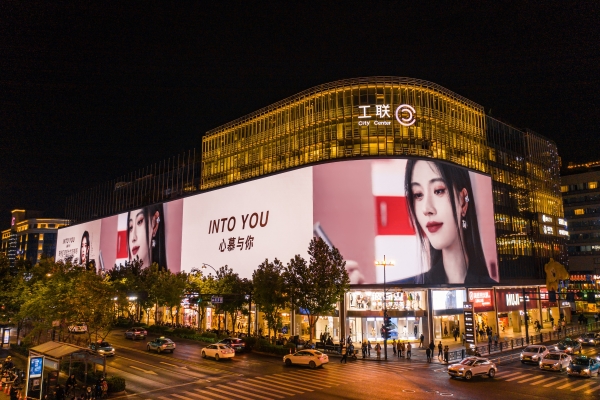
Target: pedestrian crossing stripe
{"points": [[244, 392], [282, 382]]}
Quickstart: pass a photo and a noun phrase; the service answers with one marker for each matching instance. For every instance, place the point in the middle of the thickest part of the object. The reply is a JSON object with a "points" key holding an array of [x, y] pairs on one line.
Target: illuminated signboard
{"points": [[404, 114], [482, 299], [563, 232], [468, 314], [548, 230], [562, 221], [361, 207], [546, 218]]}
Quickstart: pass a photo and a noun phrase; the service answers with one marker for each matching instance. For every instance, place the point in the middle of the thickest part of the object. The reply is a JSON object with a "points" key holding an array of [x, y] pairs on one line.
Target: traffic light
{"points": [[386, 329]]}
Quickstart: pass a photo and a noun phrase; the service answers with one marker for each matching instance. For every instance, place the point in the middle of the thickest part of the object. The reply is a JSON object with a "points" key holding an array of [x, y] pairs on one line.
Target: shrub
{"points": [[209, 335], [184, 331], [115, 384], [20, 349], [158, 329], [250, 343]]}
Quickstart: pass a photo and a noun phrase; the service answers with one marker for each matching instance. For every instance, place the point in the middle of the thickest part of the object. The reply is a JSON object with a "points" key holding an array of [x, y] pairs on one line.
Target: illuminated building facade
{"points": [[30, 236]]}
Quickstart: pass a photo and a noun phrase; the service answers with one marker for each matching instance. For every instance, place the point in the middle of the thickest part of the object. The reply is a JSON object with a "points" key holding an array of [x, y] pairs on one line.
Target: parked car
{"points": [[78, 327], [311, 358], [236, 344], [555, 361], [103, 348], [472, 366], [218, 351], [569, 346], [136, 333], [583, 366], [533, 353], [161, 344], [590, 338]]}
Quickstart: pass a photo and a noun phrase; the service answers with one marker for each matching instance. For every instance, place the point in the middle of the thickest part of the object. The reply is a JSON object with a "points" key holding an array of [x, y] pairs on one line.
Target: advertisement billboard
{"points": [[81, 242], [435, 219]]}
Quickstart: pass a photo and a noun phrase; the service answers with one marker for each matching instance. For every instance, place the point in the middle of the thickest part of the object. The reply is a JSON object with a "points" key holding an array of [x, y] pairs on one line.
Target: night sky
{"points": [[90, 92]]}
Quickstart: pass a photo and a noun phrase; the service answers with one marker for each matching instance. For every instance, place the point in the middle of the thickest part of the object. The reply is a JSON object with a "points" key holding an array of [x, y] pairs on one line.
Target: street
{"points": [[185, 375]]}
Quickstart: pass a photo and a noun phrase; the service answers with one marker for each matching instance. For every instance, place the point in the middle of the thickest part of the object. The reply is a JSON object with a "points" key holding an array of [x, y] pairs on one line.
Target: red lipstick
{"points": [[433, 226]]}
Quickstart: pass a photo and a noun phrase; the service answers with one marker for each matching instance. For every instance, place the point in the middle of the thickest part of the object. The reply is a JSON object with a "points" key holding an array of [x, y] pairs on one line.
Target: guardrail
{"points": [[537, 338]]}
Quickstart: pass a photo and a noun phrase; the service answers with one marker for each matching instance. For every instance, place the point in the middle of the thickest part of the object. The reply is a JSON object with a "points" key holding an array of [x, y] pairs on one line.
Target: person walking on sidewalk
{"points": [[344, 354], [364, 349], [463, 338], [446, 354], [408, 350], [421, 338], [399, 348], [378, 350], [394, 346], [431, 347], [369, 348], [428, 353], [440, 348]]}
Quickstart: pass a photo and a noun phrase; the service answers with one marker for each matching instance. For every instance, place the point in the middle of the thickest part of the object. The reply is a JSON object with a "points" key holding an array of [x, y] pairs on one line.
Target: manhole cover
{"points": [[408, 390], [446, 394]]}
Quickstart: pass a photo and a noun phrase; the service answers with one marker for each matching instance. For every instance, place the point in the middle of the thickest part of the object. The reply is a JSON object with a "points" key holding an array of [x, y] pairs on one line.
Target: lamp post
{"points": [[204, 265], [384, 263]]}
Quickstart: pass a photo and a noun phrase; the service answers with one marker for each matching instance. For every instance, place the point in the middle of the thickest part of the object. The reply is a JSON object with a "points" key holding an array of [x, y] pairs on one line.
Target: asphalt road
{"points": [[185, 375]]}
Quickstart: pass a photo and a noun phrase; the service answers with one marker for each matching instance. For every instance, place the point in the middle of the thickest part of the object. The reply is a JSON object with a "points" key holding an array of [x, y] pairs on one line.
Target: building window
{"points": [[597, 260], [564, 188], [579, 211], [592, 185]]}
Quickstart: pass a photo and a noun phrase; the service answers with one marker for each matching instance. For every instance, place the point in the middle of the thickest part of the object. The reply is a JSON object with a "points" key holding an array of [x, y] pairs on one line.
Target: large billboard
{"points": [[434, 219], [80, 242]]}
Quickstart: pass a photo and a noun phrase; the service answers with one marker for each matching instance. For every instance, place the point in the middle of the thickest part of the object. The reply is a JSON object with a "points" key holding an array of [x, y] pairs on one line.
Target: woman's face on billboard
{"points": [[138, 237], [432, 206], [85, 249]]}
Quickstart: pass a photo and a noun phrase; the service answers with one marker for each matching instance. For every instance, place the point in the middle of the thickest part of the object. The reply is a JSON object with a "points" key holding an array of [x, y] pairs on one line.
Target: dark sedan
{"points": [[590, 338], [136, 333], [237, 344], [569, 346]]}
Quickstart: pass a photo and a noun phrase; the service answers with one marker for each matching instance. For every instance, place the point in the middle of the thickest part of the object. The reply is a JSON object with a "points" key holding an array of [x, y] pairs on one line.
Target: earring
{"points": [[158, 218], [467, 198], [154, 241], [464, 223]]}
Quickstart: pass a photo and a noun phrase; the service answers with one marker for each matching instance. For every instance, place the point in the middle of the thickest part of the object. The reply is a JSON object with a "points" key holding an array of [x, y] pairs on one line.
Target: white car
{"points": [[312, 358], [555, 361], [218, 351], [78, 327], [472, 366], [533, 353]]}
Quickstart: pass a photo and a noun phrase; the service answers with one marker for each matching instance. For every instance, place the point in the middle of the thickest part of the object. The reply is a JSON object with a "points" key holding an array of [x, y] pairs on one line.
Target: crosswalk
{"points": [[292, 382], [556, 381]]}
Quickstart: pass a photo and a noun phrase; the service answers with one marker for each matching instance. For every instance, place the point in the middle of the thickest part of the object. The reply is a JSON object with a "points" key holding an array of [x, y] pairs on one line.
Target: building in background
{"points": [[30, 236]]}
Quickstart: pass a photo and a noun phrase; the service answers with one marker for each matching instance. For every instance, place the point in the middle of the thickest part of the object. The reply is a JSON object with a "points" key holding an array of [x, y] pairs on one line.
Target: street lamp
{"points": [[204, 265], [384, 263]]}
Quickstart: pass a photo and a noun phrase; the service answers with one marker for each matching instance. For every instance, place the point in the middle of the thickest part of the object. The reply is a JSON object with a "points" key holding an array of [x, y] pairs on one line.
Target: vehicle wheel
{"points": [[312, 365], [125, 336], [492, 373], [288, 362], [522, 362], [172, 351], [216, 357], [148, 347], [203, 355], [468, 375], [158, 350]]}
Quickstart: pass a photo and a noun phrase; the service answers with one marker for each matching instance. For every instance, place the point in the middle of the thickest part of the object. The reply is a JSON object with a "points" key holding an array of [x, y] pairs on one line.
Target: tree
{"points": [[234, 291], [318, 286], [202, 287], [270, 291]]}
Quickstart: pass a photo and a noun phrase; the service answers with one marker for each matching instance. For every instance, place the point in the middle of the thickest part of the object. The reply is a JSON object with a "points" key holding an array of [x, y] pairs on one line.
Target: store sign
{"points": [[512, 300], [404, 114], [546, 218], [562, 221], [548, 230], [482, 300], [448, 299], [565, 304], [469, 322]]}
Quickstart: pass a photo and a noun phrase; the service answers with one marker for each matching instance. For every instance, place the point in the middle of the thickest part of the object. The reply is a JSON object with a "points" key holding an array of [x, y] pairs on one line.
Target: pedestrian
{"points": [[446, 354], [402, 350], [364, 349], [408, 350], [399, 348], [432, 347], [59, 394], [463, 338], [394, 346], [416, 330], [496, 339], [428, 353], [489, 340], [445, 331], [421, 338], [454, 334], [104, 388], [369, 348], [378, 350], [344, 354], [440, 349]]}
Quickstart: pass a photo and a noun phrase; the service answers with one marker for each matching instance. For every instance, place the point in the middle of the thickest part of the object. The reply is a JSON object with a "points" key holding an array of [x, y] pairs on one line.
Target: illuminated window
{"points": [[592, 185], [564, 188], [579, 211]]}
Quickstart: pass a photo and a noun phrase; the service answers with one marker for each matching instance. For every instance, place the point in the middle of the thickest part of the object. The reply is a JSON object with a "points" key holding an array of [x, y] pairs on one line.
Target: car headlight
{"points": [[580, 340], [568, 369], [586, 371], [521, 356], [534, 357], [569, 348]]}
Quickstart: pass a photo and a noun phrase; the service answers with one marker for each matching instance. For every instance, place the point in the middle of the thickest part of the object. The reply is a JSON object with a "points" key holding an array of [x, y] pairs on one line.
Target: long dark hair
{"points": [[456, 179], [156, 244], [85, 235]]}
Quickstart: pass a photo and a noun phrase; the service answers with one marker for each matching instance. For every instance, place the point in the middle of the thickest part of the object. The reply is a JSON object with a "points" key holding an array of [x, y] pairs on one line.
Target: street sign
{"points": [[216, 299]]}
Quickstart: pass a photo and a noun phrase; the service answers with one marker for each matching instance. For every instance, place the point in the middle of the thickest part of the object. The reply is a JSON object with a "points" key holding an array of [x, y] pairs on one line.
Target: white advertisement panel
{"points": [[241, 225], [82, 242]]}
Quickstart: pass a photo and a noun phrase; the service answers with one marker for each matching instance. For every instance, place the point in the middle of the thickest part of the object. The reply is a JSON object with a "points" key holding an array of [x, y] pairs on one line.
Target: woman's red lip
{"points": [[135, 250], [434, 226]]}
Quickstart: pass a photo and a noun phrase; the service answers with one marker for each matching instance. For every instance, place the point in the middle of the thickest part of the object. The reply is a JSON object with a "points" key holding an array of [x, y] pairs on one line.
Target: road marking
{"points": [[181, 397], [544, 380], [567, 385], [263, 388], [506, 374], [554, 383], [246, 389], [245, 392], [282, 382], [592, 390], [583, 386], [276, 386], [215, 394], [144, 370], [227, 393], [530, 379], [173, 365], [197, 396], [517, 377]]}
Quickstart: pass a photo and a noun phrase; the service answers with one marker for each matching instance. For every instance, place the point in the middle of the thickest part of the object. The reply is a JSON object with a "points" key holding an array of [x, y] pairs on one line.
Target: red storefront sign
{"points": [[512, 299], [482, 300]]}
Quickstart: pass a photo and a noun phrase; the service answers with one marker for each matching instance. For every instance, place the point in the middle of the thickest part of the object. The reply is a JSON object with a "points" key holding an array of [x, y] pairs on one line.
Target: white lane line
{"points": [[583, 386], [283, 382], [197, 396], [243, 386], [245, 392], [544, 380], [227, 392], [507, 375], [592, 390], [166, 363], [567, 385], [517, 377], [318, 380], [217, 395], [287, 377], [554, 383], [275, 386], [267, 389], [530, 379], [181, 397]]}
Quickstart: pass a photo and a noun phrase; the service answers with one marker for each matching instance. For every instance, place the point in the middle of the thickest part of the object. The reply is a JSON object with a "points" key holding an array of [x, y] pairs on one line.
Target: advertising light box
{"points": [[81, 242], [435, 220]]}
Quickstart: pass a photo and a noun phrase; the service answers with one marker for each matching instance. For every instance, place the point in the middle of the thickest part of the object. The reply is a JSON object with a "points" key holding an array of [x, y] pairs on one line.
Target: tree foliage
{"points": [[270, 291]]}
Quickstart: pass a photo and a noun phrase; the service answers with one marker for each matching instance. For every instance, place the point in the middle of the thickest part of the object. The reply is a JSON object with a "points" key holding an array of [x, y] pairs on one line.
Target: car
{"points": [[103, 348], [218, 351], [569, 346], [555, 361], [236, 344], [583, 366], [311, 358], [78, 327], [136, 333], [590, 338], [161, 344], [533, 353], [472, 366]]}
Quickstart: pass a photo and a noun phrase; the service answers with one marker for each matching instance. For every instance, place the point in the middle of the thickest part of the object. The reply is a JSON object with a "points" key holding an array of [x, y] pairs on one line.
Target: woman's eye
{"points": [[439, 191], [140, 221], [418, 196], [130, 227]]}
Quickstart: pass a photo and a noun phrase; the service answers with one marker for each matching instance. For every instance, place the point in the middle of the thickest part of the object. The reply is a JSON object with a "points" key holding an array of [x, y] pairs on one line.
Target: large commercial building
{"points": [[362, 163]]}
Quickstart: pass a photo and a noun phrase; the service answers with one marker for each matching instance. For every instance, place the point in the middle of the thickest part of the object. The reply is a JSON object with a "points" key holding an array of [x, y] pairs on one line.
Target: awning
{"points": [[57, 350]]}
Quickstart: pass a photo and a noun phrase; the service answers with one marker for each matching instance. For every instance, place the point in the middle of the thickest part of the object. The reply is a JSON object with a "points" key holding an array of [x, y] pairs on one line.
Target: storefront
{"points": [[448, 312], [406, 309], [511, 308], [484, 308]]}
